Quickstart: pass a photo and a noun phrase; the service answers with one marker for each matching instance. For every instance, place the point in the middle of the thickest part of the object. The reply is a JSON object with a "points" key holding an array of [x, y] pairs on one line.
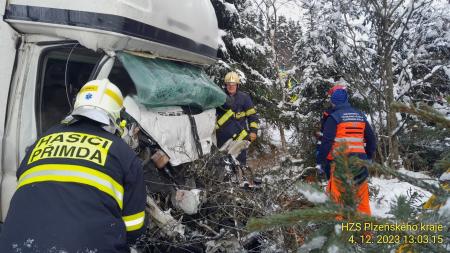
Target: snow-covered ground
{"points": [[385, 190], [390, 189], [274, 134]]}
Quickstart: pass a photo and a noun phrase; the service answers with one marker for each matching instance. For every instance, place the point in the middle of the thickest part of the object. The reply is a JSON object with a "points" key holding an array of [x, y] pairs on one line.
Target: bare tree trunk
{"points": [[388, 76], [282, 136], [381, 153], [393, 157], [273, 28]]}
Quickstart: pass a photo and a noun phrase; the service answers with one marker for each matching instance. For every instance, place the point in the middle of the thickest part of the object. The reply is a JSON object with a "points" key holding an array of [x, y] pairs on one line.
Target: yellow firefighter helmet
{"points": [[232, 77]]}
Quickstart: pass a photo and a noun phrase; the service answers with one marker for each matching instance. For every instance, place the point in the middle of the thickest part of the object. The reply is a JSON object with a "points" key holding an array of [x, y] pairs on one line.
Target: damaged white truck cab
{"points": [[49, 49]]}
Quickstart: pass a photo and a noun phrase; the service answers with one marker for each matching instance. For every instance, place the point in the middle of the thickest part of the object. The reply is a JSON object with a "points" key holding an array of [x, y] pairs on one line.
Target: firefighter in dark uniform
{"points": [[80, 187], [237, 118]]}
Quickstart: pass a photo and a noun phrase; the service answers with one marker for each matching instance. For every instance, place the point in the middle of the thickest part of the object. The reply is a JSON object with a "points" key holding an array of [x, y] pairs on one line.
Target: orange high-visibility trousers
{"points": [[362, 194]]}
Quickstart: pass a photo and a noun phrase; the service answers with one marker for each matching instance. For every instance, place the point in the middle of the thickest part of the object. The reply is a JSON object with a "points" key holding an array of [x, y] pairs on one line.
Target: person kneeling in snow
{"points": [[347, 129]]}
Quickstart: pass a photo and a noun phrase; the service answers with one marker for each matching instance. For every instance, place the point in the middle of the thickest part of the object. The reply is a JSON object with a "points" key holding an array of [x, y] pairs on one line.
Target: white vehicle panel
{"points": [[8, 53], [172, 130], [20, 131], [183, 30]]}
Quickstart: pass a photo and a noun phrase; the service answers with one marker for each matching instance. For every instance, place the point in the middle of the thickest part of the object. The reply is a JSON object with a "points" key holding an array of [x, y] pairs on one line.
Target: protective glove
{"points": [[321, 175], [319, 169], [252, 137], [318, 135]]}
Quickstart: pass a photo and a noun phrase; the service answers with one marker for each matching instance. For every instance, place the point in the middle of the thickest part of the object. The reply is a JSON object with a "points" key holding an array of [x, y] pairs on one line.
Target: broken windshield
{"points": [[162, 83]]}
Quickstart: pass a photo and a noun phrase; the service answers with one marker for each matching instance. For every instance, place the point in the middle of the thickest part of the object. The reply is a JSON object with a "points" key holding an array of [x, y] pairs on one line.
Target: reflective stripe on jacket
{"points": [[79, 189], [350, 137]]}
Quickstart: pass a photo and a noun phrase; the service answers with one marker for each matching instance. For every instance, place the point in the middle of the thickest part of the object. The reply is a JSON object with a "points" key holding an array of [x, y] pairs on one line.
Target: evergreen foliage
{"points": [[405, 210], [340, 41], [388, 54]]}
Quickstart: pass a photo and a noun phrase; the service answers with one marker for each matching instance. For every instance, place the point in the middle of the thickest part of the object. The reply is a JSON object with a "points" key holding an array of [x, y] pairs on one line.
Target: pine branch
{"points": [[291, 218], [419, 183], [425, 112], [443, 164]]}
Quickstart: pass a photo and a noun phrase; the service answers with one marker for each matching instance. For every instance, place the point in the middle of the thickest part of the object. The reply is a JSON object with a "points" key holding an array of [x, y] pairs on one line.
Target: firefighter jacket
{"points": [[349, 128], [80, 189], [236, 118]]}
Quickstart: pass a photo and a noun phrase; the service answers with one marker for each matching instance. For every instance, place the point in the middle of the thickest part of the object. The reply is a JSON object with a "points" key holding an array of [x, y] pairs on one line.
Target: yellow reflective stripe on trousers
{"points": [[250, 111], [225, 117], [242, 135], [134, 222], [254, 125], [73, 174]]}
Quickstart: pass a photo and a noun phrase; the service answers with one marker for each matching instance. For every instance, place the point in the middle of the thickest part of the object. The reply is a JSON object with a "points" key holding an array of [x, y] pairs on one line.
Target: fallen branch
{"points": [[169, 226]]}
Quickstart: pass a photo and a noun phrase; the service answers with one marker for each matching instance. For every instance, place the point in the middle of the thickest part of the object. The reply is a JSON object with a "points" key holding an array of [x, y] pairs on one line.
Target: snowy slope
{"points": [[390, 189]]}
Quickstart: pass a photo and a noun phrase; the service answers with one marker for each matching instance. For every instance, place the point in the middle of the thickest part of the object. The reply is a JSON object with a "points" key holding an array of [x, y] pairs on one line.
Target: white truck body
{"points": [[39, 38], [182, 30]]}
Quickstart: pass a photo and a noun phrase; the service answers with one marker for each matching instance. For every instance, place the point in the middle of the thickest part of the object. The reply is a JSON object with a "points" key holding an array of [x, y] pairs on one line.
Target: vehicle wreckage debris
{"points": [[201, 210]]}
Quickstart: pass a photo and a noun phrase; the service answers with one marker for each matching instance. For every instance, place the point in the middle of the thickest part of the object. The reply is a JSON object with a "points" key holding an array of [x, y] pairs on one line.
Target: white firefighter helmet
{"points": [[101, 101]]}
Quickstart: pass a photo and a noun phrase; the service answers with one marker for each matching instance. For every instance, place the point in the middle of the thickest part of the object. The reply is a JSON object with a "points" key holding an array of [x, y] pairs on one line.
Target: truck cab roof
{"points": [[179, 30]]}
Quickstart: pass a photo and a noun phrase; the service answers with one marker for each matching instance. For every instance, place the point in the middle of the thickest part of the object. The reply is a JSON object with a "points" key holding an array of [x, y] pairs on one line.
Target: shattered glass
{"points": [[162, 83]]}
